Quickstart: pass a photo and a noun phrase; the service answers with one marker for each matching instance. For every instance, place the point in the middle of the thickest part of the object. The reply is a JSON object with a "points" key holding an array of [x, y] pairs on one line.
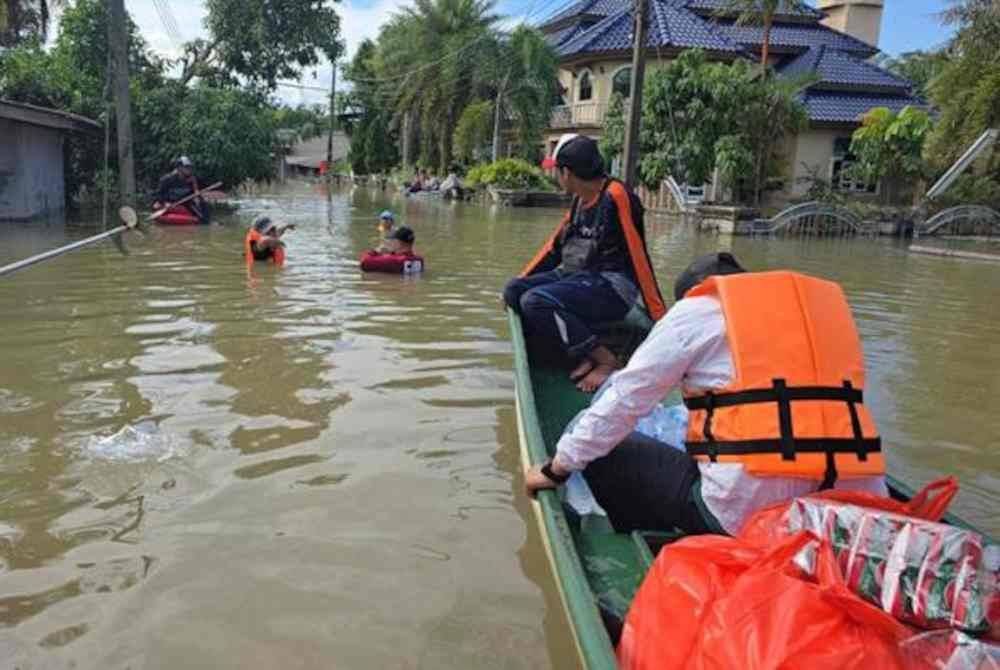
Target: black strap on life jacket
{"points": [[787, 444]]}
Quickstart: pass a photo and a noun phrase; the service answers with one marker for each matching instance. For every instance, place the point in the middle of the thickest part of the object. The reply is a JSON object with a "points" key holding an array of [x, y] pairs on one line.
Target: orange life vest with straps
{"points": [[795, 405], [277, 253], [630, 216]]}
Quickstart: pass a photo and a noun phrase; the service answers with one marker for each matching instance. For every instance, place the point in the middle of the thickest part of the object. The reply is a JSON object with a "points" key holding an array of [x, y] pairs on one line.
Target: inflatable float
{"points": [[373, 261], [180, 215]]}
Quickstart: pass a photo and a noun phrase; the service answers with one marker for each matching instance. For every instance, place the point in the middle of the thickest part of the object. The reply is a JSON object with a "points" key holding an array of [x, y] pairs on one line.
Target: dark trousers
{"points": [[564, 307], [644, 484]]}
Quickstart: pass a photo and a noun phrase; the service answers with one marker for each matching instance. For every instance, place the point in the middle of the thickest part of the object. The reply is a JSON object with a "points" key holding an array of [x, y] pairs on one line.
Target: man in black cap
{"points": [[178, 184], [593, 267], [708, 347]]}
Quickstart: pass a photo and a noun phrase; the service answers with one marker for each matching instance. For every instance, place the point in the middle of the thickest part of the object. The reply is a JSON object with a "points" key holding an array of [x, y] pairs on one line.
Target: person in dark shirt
{"points": [[178, 184], [593, 267], [263, 241]]}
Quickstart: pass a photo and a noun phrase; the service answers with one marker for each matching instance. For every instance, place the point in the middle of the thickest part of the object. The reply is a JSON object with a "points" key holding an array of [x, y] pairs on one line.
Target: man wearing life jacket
{"points": [[263, 242], [772, 372], [592, 268]]}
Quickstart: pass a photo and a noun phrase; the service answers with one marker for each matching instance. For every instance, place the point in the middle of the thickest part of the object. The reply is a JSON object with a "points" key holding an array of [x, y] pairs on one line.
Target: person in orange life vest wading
{"points": [[263, 242], [591, 270], [771, 370]]}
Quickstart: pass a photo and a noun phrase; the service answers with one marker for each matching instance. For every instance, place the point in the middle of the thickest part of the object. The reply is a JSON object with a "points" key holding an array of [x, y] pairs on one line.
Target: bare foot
{"points": [[597, 376], [585, 366]]}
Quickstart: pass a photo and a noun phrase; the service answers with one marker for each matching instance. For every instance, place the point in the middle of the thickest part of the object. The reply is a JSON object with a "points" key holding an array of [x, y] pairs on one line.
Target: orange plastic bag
{"points": [[714, 603], [931, 503]]}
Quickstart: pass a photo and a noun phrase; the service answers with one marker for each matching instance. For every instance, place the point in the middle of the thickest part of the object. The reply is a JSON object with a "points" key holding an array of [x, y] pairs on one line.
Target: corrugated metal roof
{"points": [[834, 106], [842, 69]]}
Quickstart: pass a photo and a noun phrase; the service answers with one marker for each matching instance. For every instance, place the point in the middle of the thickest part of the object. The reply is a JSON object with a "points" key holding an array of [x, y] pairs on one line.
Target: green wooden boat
{"points": [[596, 570]]}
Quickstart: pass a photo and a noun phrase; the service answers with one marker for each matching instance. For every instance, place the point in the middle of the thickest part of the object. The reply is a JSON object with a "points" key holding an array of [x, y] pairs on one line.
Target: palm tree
{"points": [[753, 12], [524, 76], [439, 46]]}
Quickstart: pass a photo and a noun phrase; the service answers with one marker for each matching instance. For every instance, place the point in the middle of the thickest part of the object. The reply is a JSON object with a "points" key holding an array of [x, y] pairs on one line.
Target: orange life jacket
{"points": [[277, 253], [632, 226], [794, 407]]}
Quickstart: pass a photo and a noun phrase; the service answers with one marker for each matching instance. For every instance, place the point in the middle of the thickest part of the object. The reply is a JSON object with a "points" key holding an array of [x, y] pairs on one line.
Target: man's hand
{"points": [[534, 480]]}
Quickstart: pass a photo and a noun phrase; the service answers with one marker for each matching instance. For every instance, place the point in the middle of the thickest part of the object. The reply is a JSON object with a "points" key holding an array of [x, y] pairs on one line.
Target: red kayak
{"points": [[179, 215]]}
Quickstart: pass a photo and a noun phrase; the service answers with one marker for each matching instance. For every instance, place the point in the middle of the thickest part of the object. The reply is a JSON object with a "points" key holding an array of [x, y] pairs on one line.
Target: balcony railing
{"points": [[578, 114]]}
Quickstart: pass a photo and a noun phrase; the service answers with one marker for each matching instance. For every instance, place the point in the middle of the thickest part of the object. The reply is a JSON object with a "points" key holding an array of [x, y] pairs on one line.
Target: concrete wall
{"points": [[812, 149], [858, 18], [31, 171]]}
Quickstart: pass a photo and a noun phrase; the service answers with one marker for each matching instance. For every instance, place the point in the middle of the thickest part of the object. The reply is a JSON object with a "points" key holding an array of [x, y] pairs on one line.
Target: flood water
{"points": [[312, 468]]}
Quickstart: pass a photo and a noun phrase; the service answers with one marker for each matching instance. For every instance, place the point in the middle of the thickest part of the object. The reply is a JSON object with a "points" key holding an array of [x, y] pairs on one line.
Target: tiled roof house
{"points": [[834, 42]]}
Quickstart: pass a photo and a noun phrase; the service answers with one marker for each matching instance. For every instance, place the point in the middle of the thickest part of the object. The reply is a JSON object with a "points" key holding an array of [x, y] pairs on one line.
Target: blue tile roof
{"points": [[671, 25], [834, 106], [840, 68], [796, 36], [787, 8], [557, 37]]}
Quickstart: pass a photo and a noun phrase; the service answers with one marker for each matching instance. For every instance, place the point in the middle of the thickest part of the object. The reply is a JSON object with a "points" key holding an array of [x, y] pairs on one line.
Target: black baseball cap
{"points": [[403, 234], [579, 153], [703, 267]]}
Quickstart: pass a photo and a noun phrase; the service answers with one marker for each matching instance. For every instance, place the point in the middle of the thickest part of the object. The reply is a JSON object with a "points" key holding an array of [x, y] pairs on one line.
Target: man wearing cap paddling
{"points": [[591, 270], [178, 184], [772, 373]]}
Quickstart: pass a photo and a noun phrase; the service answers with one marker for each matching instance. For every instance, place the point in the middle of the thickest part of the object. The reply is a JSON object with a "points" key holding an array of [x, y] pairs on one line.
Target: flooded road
{"points": [[306, 468]]}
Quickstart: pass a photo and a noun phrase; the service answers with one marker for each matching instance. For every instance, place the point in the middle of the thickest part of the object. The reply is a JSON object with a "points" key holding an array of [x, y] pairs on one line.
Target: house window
{"points": [[842, 160], [621, 83], [586, 90]]}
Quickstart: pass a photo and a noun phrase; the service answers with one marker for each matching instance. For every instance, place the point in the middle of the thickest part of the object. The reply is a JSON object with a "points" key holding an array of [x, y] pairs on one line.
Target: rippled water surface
{"points": [[312, 468]]}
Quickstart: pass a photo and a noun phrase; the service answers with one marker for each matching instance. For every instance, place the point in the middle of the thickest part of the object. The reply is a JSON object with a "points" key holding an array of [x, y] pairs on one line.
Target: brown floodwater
{"points": [[313, 468]]}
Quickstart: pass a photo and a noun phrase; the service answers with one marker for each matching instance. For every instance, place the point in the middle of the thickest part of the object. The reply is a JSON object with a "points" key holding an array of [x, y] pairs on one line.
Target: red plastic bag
{"points": [[714, 603], [930, 503]]}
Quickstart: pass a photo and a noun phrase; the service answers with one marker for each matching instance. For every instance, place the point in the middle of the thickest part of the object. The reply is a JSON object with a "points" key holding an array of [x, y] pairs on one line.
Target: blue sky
{"points": [[907, 25]]}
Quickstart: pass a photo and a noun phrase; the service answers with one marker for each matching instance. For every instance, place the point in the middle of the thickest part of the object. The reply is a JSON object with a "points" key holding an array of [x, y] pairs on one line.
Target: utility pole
{"points": [[118, 42], [333, 117], [631, 157]]}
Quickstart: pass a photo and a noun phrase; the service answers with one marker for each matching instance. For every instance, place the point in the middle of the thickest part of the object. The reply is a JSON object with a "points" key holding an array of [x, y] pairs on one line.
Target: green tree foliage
{"points": [[524, 74], [888, 147], [696, 114], [263, 41], [229, 131], [373, 142], [919, 67], [612, 141], [473, 131], [966, 93], [509, 173]]}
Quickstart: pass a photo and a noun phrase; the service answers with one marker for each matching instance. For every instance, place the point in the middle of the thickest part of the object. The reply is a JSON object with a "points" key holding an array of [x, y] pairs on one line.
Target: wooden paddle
{"points": [[160, 212], [128, 217]]}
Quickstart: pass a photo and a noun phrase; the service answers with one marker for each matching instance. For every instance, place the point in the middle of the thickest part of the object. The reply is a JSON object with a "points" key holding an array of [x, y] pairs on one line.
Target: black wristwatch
{"points": [[550, 473]]}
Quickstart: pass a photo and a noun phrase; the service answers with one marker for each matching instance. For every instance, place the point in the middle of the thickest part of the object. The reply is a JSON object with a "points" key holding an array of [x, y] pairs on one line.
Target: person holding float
{"points": [[397, 257], [177, 185], [772, 373], [263, 242], [593, 268]]}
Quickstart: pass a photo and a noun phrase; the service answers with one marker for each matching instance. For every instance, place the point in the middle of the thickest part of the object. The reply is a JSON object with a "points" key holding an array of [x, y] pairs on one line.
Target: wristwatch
{"points": [[550, 473]]}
